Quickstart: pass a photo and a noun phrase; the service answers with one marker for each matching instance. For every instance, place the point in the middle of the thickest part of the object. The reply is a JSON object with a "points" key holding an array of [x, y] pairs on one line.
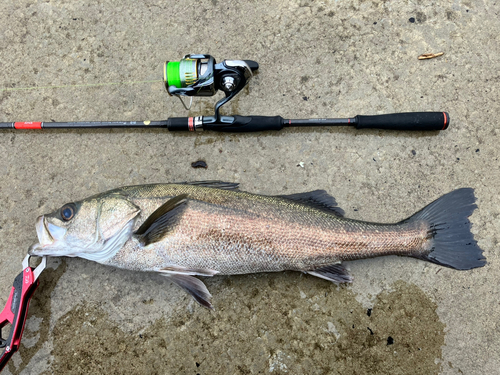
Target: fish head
{"points": [[94, 228]]}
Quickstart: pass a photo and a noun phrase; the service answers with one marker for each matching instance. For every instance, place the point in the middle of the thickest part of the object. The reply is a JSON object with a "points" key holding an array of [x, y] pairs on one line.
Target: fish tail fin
{"points": [[449, 227]]}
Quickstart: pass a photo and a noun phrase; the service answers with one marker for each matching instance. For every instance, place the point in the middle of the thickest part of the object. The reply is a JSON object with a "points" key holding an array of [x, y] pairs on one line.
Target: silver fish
{"points": [[208, 228]]}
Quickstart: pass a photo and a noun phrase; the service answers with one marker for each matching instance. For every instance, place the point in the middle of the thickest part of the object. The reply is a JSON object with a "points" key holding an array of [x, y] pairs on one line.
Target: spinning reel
{"points": [[200, 75]]}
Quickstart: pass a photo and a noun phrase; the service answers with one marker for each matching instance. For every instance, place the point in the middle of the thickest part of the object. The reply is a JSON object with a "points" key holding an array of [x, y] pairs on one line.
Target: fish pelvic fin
{"points": [[453, 244], [318, 199], [160, 222], [193, 286], [336, 273]]}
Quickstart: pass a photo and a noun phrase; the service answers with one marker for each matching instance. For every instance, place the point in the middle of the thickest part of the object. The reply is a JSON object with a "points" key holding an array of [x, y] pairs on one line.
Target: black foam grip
{"points": [[405, 121], [249, 124]]}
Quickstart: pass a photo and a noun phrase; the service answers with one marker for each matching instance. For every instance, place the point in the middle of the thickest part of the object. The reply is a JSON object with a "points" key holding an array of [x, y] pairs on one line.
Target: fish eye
{"points": [[67, 212]]}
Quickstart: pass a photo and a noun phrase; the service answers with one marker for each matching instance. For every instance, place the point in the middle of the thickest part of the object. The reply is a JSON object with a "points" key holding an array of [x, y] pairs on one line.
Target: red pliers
{"points": [[16, 308]]}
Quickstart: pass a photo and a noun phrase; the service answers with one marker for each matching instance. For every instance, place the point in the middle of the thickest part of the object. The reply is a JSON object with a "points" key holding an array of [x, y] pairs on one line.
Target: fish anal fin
{"points": [[160, 222], [318, 199], [193, 286], [336, 273]]}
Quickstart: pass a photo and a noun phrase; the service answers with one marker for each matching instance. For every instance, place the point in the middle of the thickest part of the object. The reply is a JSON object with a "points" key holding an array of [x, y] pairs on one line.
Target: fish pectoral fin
{"points": [[188, 271], [160, 222], [193, 286], [319, 199], [336, 273], [214, 184]]}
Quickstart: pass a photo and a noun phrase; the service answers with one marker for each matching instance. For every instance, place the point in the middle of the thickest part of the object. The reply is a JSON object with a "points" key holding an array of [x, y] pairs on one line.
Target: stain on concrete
{"points": [[275, 323], [421, 17], [304, 79], [201, 140]]}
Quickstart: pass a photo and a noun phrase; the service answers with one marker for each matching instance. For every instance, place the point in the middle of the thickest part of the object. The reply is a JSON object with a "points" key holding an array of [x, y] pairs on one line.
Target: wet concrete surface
{"points": [[278, 328], [317, 59]]}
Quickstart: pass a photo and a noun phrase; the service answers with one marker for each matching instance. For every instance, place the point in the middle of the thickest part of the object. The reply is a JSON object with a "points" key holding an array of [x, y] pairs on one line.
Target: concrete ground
{"points": [[317, 59]]}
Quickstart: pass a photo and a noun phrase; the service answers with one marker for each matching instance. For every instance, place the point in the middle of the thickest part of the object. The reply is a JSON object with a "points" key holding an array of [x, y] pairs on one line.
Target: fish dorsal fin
{"points": [[214, 184], [319, 199], [160, 222], [193, 286], [336, 273]]}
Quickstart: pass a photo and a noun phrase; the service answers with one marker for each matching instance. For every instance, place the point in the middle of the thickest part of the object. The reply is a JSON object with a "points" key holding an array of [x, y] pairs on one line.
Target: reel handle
{"points": [[405, 121]]}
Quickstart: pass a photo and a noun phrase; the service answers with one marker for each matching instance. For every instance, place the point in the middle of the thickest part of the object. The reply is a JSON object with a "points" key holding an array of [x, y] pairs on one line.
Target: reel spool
{"points": [[200, 75]]}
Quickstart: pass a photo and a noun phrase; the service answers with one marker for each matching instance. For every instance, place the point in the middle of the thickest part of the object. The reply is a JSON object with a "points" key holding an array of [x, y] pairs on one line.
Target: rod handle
{"points": [[405, 121]]}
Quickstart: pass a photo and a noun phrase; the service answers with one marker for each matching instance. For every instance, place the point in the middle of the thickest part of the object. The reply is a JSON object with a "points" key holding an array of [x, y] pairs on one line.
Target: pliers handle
{"points": [[16, 309]]}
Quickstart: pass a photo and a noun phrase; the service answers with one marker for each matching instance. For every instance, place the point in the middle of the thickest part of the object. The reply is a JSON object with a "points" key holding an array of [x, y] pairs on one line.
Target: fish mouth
{"points": [[46, 241]]}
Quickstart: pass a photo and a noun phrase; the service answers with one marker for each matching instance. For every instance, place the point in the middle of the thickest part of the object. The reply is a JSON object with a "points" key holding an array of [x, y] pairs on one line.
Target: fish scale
{"points": [[237, 232]]}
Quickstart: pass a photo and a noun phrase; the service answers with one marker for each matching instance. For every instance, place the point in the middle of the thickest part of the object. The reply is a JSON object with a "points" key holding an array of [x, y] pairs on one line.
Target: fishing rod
{"points": [[201, 75]]}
